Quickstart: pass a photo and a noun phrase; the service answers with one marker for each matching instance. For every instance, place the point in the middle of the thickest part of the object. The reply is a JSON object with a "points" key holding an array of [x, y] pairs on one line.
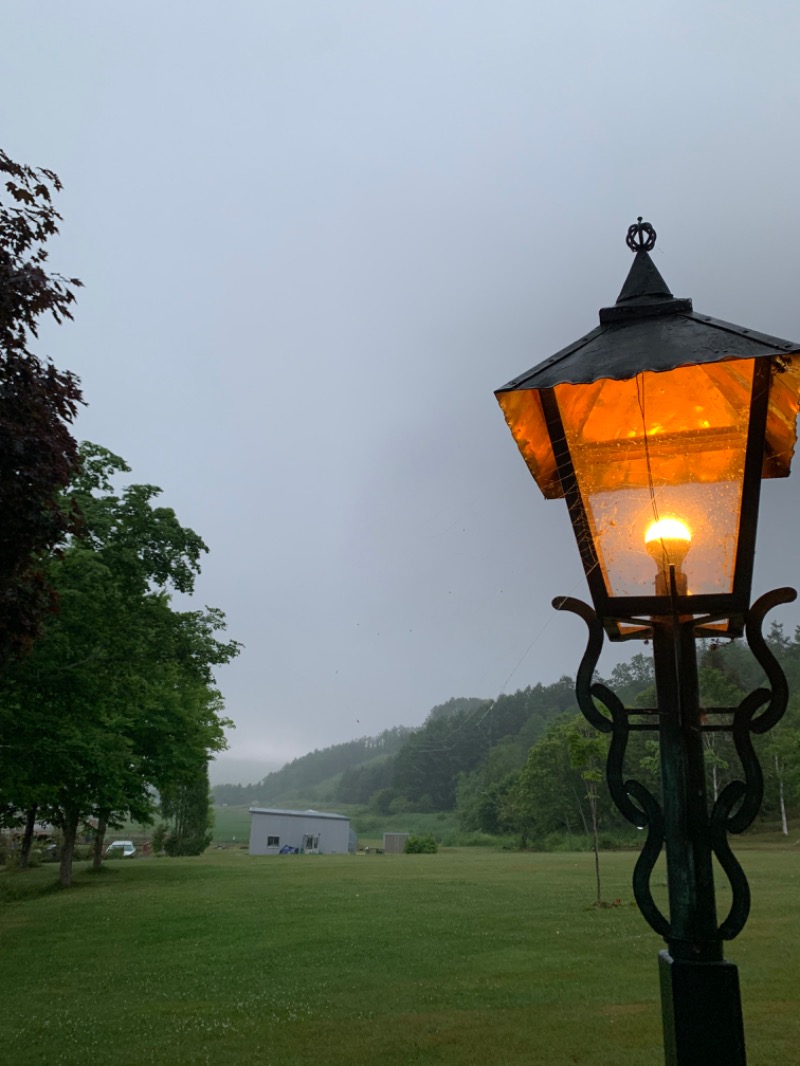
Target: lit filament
{"points": [[667, 542]]}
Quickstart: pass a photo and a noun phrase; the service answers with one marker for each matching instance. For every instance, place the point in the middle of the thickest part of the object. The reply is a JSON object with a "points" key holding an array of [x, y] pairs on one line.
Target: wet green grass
{"points": [[469, 956]]}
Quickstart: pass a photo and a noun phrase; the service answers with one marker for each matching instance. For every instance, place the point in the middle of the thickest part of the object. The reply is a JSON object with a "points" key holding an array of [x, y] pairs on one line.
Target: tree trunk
{"points": [[708, 740], [779, 772], [69, 832], [593, 807], [581, 812], [99, 840], [27, 838]]}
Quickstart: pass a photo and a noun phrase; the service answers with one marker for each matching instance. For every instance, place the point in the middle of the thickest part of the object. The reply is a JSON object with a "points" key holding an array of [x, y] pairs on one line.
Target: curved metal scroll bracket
{"points": [[779, 689], [740, 801], [583, 681], [633, 800], [648, 857]]}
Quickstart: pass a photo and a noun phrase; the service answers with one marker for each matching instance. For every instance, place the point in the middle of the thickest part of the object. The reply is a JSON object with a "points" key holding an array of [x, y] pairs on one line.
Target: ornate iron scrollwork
{"points": [[738, 803]]}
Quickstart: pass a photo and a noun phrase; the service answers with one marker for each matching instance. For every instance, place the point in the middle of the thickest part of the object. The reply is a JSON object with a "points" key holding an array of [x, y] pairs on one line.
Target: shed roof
{"points": [[300, 814]]}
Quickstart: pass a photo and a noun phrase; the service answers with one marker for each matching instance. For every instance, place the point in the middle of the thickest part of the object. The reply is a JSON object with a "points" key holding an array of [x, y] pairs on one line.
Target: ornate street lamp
{"points": [[657, 428]]}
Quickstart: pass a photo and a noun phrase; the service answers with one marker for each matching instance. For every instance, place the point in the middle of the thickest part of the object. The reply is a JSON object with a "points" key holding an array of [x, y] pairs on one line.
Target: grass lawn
{"points": [[466, 957]]}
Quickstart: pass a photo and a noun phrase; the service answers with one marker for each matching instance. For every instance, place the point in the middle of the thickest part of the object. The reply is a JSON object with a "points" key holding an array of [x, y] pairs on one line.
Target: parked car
{"points": [[121, 848]]}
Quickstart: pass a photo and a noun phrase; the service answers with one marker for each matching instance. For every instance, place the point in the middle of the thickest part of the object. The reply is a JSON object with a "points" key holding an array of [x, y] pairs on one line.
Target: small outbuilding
{"points": [[394, 843], [274, 832]]}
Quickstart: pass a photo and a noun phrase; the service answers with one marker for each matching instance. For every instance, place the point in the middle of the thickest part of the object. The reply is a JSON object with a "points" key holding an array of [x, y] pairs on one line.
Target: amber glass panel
{"points": [[523, 411], [658, 446], [782, 416]]}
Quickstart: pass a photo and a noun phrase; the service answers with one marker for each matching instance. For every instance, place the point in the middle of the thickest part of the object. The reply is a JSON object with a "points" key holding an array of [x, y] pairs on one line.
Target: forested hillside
{"points": [[412, 769], [428, 766], [553, 793], [304, 775], [527, 764]]}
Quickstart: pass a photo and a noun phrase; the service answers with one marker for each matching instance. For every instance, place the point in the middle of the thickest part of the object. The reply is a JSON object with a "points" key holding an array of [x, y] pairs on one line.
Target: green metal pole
{"points": [[700, 999]]}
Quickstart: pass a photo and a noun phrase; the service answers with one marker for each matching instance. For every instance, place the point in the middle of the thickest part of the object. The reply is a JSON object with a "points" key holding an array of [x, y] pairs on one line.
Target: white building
{"points": [[274, 831]]}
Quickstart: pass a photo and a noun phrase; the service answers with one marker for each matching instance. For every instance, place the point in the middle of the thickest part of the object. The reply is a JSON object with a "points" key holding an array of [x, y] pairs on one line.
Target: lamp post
{"points": [[657, 428]]}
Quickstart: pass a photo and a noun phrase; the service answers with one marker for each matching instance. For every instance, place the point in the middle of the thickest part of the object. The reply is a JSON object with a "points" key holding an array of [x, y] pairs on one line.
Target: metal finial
{"points": [[641, 236]]}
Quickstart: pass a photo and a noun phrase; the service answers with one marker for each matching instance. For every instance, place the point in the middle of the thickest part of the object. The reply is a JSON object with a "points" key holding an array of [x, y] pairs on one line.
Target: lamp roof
{"points": [[648, 329]]}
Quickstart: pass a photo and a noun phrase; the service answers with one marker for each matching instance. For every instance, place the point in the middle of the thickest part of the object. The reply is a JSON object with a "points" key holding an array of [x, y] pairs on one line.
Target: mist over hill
{"points": [[407, 767], [303, 780], [227, 769]]}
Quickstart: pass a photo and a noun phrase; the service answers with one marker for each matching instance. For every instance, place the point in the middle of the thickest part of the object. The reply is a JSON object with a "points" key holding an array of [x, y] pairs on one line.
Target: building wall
{"points": [[290, 828], [394, 843]]}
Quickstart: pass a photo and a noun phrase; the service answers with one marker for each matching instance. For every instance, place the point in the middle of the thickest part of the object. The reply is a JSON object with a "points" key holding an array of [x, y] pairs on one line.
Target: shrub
{"points": [[159, 837], [453, 838], [187, 845], [564, 842], [364, 824], [421, 845]]}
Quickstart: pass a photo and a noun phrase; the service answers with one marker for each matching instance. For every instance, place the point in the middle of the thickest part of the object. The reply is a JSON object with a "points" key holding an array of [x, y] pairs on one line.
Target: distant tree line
{"points": [[301, 776], [413, 769], [560, 789], [527, 766]]}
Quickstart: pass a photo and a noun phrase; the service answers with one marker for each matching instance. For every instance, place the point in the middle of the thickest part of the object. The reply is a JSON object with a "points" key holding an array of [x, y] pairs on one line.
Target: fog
{"points": [[316, 237]]}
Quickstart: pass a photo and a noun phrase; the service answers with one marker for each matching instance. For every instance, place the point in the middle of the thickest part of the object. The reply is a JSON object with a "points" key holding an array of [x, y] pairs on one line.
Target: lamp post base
{"points": [[702, 1012]]}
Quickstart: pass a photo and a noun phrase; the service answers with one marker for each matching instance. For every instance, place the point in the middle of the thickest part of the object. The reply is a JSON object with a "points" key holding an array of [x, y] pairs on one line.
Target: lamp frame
{"points": [[730, 607]]}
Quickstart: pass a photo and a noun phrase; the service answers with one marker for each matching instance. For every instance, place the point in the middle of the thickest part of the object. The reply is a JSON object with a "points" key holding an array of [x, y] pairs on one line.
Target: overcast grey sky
{"points": [[316, 235]]}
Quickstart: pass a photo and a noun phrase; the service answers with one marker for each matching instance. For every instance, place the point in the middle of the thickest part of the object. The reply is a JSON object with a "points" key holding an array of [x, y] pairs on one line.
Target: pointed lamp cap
{"points": [[645, 292]]}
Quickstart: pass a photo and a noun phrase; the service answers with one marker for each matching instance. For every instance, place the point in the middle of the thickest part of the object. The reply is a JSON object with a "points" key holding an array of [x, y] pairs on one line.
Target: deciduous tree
{"points": [[38, 455], [587, 754], [117, 698]]}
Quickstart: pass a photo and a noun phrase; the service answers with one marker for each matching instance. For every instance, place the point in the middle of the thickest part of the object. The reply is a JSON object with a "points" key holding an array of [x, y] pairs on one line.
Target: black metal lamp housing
{"points": [[657, 427]]}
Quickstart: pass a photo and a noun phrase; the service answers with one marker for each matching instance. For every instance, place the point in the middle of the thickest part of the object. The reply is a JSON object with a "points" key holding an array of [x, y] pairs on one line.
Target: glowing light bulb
{"points": [[667, 542]]}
